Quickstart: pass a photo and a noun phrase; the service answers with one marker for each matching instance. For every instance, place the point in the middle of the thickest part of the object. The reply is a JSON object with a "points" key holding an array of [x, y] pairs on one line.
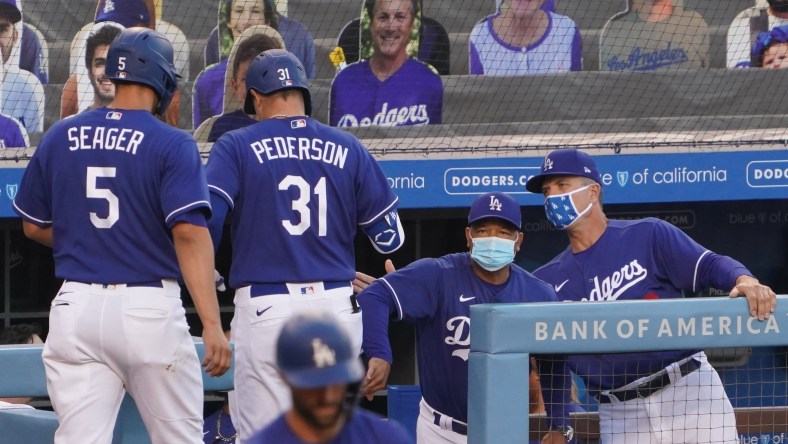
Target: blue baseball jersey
{"points": [[560, 49], [435, 295], [411, 96], [112, 183], [12, 133], [362, 428], [298, 191], [208, 93], [635, 260], [228, 122]]}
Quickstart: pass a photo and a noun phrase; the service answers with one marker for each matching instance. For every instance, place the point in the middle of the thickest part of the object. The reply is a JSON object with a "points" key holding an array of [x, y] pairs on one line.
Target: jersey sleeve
{"points": [[690, 266], [406, 294], [183, 186], [34, 197], [374, 197], [223, 170]]}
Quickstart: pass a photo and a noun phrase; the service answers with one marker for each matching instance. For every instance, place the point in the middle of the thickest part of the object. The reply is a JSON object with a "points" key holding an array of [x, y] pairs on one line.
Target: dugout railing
{"points": [[503, 336]]}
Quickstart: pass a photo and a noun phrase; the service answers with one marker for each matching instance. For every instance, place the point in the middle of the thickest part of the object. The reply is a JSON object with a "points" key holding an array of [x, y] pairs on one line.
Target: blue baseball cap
{"points": [[495, 205], [564, 162], [126, 12], [10, 10]]}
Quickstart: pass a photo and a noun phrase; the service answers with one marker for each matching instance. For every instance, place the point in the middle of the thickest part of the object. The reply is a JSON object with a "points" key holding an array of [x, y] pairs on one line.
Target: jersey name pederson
{"points": [[301, 148]]}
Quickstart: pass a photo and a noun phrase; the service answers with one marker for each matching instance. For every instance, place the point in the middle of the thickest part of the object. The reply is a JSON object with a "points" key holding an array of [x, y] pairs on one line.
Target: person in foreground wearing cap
{"points": [[316, 359], [662, 396], [436, 295]]}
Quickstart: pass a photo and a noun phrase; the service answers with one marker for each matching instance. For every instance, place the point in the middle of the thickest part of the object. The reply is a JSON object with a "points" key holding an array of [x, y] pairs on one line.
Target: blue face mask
{"points": [[561, 211], [492, 253]]}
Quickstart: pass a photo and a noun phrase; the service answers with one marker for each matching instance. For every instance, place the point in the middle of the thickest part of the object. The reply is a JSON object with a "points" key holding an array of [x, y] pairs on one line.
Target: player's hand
{"points": [[375, 380], [553, 438], [218, 355], [218, 280], [761, 299], [363, 281]]}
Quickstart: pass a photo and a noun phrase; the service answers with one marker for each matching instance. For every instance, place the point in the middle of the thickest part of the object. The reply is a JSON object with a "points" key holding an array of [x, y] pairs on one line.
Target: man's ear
{"points": [[518, 241], [468, 242]]}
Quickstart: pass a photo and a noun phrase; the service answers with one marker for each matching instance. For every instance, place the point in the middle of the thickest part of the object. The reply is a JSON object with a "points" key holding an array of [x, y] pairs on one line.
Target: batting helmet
{"points": [[141, 55], [274, 70], [313, 350]]}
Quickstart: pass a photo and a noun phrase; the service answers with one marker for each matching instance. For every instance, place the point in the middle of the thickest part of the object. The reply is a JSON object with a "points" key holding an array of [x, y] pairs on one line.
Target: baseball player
{"points": [[298, 190], [435, 295], [664, 396], [122, 199], [317, 360]]}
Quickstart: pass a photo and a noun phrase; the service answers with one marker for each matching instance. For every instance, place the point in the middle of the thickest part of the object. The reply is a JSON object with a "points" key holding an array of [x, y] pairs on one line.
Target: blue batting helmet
{"points": [[141, 55], [313, 350], [274, 70]]}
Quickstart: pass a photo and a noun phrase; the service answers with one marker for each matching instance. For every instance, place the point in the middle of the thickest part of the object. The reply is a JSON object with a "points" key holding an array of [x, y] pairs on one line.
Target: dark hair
{"points": [[249, 48], [104, 36], [19, 334], [370, 7], [269, 13]]}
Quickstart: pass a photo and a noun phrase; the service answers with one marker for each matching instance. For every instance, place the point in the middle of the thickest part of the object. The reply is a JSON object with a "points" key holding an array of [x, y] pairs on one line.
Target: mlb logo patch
{"points": [[121, 75], [297, 123], [287, 82], [307, 290], [114, 115]]}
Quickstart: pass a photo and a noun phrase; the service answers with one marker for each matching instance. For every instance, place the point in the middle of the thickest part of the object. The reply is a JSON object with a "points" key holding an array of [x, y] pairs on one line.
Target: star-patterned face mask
{"points": [[561, 211]]}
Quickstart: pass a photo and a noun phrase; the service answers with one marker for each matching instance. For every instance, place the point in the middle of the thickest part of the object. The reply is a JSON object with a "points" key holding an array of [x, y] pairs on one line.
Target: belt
{"points": [[155, 284], [649, 387], [256, 290], [455, 426]]}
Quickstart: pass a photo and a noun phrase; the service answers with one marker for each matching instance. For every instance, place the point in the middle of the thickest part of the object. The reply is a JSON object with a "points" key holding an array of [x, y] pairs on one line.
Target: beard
{"points": [[318, 423], [104, 97]]}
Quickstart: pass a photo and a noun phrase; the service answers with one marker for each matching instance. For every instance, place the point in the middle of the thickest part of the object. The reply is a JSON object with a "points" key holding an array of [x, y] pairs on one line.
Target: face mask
{"points": [[561, 211], [779, 5], [492, 253]]}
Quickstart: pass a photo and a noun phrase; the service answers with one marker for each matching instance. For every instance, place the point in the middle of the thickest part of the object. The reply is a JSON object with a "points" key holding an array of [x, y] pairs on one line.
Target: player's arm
{"points": [[386, 233], [709, 270], [219, 210], [42, 235], [195, 256], [376, 309]]}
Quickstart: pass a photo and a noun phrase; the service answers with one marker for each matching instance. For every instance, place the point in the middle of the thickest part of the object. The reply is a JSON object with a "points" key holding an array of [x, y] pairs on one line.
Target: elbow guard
{"points": [[386, 234]]}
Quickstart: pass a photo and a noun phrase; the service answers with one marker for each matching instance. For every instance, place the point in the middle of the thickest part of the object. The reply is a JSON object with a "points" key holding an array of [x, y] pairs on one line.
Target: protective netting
{"points": [[553, 73]]}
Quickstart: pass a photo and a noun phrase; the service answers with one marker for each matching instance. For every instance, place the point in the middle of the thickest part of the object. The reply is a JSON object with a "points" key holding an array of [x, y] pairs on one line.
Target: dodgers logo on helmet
{"points": [[275, 70], [313, 350], [142, 55]]}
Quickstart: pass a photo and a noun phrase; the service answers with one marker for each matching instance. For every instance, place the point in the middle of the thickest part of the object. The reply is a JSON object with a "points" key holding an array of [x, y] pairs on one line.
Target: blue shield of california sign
{"points": [[623, 177], [10, 190]]}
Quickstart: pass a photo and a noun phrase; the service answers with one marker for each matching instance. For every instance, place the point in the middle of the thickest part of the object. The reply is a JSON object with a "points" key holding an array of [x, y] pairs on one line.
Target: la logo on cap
{"points": [[585, 169], [109, 6], [322, 354], [548, 164], [495, 204]]}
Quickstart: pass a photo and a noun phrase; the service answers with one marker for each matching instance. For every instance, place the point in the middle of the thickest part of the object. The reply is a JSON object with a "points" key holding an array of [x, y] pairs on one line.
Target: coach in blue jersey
{"points": [[316, 358], [436, 295], [122, 199], [666, 396], [297, 191]]}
